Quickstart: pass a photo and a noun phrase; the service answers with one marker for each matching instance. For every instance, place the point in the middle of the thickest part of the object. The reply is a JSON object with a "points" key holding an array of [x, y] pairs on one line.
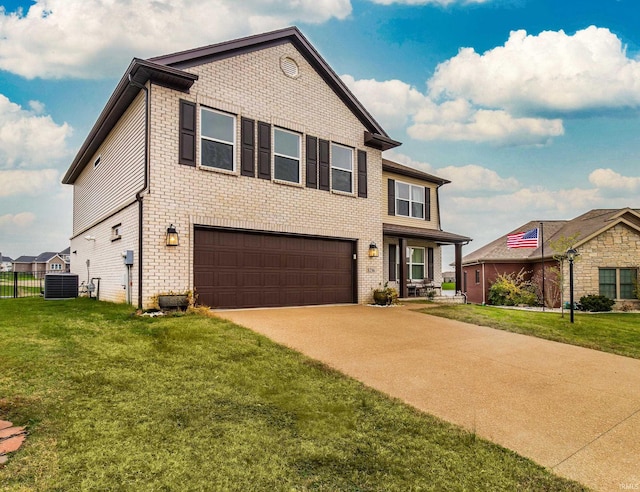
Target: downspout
{"points": [[484, 287], [145, 185]]}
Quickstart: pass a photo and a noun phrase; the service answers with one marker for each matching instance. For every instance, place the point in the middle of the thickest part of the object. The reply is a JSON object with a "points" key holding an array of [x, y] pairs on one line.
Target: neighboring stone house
{"points": [[608, 245], [245, 171]]}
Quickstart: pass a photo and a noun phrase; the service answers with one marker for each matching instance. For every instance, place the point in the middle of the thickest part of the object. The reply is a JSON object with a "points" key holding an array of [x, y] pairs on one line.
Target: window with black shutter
{"points": [[362, 174], [323, 165], [264, 150], [312, 162], [187, 142], [217, 139], [427, 203], [393, 263], [248, 150]]}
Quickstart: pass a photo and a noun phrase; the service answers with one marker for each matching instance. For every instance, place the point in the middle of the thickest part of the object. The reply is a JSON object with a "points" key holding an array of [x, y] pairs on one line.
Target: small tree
{"points": [[513, 289]]}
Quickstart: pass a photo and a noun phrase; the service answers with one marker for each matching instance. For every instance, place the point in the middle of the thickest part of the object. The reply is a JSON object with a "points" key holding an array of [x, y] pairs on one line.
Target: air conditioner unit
{"points": [[60, 286]]}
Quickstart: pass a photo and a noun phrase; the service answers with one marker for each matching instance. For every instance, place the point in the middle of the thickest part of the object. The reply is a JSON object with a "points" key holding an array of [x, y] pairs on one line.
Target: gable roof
{"points": [[24, 259], [5, 258], [585, 227], [375, 136], [167, 70], [45, 257], [394, 167]]}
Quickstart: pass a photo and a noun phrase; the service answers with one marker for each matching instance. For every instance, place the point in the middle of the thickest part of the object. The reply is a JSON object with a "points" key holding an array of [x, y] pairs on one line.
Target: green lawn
{"points": [[114, 401], [448, 285], [618, 333]]}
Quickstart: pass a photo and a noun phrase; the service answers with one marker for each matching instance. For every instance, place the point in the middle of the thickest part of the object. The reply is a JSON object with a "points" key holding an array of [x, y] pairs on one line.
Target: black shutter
{"points": [[427, 203], [187, 143], [430, 263], [312, 162], [264, 150], [362, 174], [248, 147], [391, 196], [323, 164], [392, 263]]}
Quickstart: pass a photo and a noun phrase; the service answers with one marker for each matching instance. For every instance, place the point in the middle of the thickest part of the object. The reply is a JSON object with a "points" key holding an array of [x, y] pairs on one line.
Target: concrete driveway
{"points": [[573, 410]]}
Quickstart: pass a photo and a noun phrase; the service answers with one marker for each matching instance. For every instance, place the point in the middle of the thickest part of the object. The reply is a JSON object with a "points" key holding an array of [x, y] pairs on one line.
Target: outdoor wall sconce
{"points": [[172, 236], [373, 250]]}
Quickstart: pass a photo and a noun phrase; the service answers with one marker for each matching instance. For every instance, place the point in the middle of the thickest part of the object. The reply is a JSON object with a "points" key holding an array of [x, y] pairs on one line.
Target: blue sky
{"points": [[530, 107]]}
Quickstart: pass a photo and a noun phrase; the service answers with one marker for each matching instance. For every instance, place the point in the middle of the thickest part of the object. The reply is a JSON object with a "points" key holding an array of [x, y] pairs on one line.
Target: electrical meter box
{"points": [[128, 257]]}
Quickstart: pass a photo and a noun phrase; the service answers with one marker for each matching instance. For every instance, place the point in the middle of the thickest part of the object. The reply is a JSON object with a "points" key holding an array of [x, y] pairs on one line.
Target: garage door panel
{"points": [[245, 269]]}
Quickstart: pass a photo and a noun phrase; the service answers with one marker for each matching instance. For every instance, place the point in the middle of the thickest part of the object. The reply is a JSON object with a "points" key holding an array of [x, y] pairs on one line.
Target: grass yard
{"points": [[448, 285], [618, 333], [114, 401]]}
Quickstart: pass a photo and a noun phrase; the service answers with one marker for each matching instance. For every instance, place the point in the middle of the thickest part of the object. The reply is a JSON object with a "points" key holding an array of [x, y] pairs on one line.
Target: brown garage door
{"points": [[236, 269]]}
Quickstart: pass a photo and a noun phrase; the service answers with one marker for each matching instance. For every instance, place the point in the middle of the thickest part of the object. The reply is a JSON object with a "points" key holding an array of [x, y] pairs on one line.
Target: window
{"points": [[286, 155], [341, 168], [218, 137], [618, 283], [477, 276], [409, 200], [416, 263], [56, 266], [96, 163], [116, 232]]}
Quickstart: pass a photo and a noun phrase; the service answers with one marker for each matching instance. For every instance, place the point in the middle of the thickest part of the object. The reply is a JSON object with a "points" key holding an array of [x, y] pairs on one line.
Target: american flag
{"points": [[527, 239]]}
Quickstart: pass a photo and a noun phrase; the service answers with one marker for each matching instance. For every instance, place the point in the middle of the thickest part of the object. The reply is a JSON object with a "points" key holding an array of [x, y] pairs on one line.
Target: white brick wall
{"points": [[252, 85]]}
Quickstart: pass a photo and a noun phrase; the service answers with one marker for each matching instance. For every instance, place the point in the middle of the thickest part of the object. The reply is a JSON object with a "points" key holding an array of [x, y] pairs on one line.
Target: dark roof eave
{"points": [[380, 142], [441, 237], [140, 72], [394, 167]]}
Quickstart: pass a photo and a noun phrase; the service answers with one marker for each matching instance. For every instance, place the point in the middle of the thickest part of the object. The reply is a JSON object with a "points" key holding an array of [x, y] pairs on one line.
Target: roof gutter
{"points": [[145, 185]]}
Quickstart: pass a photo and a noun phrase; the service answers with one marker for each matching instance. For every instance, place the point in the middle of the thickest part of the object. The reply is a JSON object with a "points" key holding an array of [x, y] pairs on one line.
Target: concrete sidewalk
{"points": [[573, 410]]}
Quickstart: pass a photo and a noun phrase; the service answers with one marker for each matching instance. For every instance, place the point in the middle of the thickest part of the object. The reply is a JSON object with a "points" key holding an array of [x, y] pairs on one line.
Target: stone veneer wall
{"points": [[253, 85], [618, 247]]}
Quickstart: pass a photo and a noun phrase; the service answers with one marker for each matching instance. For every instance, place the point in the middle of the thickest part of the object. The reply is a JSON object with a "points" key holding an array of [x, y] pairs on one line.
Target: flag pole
{"points": [[542, 258]]}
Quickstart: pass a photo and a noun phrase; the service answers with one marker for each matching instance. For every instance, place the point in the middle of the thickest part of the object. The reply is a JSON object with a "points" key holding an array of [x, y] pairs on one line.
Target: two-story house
{"points": [[245, 171]]}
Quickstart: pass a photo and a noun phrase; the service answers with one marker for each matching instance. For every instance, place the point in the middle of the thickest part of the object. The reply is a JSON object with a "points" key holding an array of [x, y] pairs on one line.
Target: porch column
{"points": [[404, 270], [458, 267]]}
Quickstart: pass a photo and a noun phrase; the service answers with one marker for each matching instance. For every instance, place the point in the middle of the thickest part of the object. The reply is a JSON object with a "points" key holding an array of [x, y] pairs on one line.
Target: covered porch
{"points": [[414, 259]]}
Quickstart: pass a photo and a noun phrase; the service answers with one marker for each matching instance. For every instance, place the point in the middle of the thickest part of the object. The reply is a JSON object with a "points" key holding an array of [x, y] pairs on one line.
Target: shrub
{"points": [[511, 289], [594, 303], [385, 296]]}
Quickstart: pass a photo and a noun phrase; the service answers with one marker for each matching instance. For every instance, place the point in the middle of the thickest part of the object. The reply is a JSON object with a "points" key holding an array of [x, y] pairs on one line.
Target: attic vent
{"points": [[289, 67]]}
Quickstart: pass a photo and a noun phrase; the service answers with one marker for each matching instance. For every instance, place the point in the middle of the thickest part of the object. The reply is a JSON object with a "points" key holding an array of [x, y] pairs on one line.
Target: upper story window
{"points": [[286, 155], [409, 200], [341, 168], [217, 139]]}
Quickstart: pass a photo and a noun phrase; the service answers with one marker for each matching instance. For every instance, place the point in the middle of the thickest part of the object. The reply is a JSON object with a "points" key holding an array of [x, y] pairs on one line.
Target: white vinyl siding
{"points": [[100, 190]]}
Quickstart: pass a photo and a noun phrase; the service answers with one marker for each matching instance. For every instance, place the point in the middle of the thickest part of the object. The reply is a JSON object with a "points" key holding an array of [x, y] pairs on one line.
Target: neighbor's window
{"points": [[477, 276], [217, 139], [56, 266], [286, 155], [409, 200], [341, 168], [618, 283], [416, 263]]}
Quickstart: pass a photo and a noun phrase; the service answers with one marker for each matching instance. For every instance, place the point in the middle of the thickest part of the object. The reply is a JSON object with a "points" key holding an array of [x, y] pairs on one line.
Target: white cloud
{"points": [[552, 72], [428, 2], [95, 38], [392, 101], [21, 220], [23, 182], [608, 179], [28, 138], [395, 104]]}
